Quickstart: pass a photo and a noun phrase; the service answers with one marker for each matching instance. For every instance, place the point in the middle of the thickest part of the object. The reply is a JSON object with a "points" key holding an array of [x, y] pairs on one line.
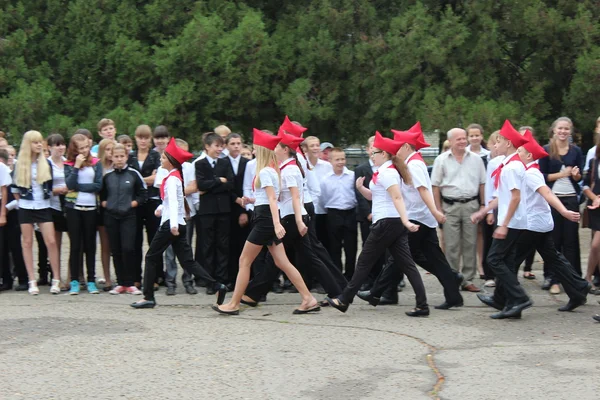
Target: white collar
{"points": [[508, 158], [236, 159], [285, 162], [410, 156], [210, 159]]}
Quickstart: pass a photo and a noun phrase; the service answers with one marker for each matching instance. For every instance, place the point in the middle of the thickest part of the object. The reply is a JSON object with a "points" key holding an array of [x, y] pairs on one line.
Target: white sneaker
{"points": [[490, 283], [55, 289], [33, 288]]}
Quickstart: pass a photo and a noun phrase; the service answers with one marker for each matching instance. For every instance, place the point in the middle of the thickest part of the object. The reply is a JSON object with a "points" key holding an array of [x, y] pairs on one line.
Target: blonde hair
{"points": [[494, 137], [143, 131], [182, 144], [104, 122], [265, 158], [554, 152], [23, 173], [446, 145], [104, 143], [222, 130]]}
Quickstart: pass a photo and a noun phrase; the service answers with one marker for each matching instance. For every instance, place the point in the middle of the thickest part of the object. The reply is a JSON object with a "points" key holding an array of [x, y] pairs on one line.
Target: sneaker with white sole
{"points": [[33, 288], [118, 290], [92, 289], [74, 288], [133, 290], [490, 283], [55, 289]]}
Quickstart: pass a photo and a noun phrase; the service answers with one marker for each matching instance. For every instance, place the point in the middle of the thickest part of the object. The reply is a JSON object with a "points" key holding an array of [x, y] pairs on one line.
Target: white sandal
{"points": [[33, 288], [55, 289]]}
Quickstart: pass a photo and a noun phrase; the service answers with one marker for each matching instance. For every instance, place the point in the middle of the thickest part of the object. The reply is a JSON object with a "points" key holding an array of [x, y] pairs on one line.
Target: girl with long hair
{"points": [[562, 172], [172, 231], [391, 226], [267, 229], [58, 147], [83, 175], [105, 150], [33, 189]]}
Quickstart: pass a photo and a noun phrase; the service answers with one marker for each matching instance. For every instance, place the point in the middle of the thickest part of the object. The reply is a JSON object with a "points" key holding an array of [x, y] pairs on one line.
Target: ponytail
{"points": [[295, 157], [306, 158], [402, 169]]}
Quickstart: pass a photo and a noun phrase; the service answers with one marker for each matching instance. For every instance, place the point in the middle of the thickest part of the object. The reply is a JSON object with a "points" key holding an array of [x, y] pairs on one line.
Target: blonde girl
{"points": [[105, 149]]}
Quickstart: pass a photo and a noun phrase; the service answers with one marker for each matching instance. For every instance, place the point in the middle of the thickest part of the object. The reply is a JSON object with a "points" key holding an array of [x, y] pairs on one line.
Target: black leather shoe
{"points": [[144, 304], [386, 301], [230, 287], [547, 284], [502, 315], [514, 310], [368, 297], [171, 291], [249, 303], [189, 289], [338, 305], [21, 287], [5, 286], [200, 283], [211, 290], [217, 309], [365, 287], [418, 312], [446, 306], [277, 288], [596, 317], [489, 301], [573, 304], [221, 291]]}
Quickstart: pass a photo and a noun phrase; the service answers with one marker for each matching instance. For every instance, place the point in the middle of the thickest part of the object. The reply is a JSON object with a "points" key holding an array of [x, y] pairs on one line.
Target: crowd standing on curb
{"points": [[277, 216]]}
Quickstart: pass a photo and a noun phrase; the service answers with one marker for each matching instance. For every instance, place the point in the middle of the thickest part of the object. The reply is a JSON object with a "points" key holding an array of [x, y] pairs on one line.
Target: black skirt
{"points": [[594, 219], [263, 231], [27, 216], [60, 221]]}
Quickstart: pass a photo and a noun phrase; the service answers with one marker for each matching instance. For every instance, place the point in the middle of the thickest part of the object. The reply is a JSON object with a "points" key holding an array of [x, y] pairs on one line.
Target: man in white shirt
{"points": [[339, 199]]}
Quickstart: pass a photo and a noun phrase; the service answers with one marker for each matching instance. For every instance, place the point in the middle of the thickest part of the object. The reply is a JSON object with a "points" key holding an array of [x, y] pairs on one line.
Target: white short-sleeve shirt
{"points": [[5, 178], [511, 178], [383, 205], [539, 215], [416, 208], [268, 178], [290, 177]]}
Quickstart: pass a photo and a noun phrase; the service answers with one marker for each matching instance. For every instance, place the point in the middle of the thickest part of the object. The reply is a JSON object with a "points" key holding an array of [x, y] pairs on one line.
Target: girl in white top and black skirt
{"points": [[33, 188], [172, 231], [295, 220], [267, 229], [390, 226]]}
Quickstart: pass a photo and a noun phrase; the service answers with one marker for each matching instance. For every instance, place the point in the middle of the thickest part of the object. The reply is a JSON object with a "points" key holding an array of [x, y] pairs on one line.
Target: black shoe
{"points": [[386, 301], [573, 304], [217, 309], [319, 289], [249, 303], [287, 284], [43, 281], [365, 287], [277, 288], [292, 289], [513, 311], [21, 287], [489, 301], [221, 291], [402, 284], [263, 298], [230, 287], [446, 306], [189, 289], [316, 308], [547, 284], [210, 290], [418, 312], [502, 315], [5, 286], [368, 297], [596, 317], [338, 306], [200, 283], [144, 304], [171, 291], [596, 280]]}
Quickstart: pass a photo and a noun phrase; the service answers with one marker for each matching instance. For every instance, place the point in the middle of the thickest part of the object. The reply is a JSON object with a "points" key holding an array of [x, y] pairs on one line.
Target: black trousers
{"points": [[237, 239], [365, 229], [321, 229], [214, 242], [306, 260], [566, 237], [488, 232], [390, 234], [121, 236], [81, 226], [343, 234], [426, 252], [502, 260], [560, 268], [43, 265], [147, 219], [12, 247], [183, 251]]}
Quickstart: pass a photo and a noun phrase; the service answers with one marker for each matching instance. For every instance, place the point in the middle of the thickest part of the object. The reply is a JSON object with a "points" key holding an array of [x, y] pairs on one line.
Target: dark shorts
{"points": [[35, 216], [263, 231], [60, 221], [100, 219]]}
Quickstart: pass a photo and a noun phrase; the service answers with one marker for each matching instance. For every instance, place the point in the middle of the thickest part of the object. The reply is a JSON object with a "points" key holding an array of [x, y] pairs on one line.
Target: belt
{"points": [[84, 208], [461, 201]]}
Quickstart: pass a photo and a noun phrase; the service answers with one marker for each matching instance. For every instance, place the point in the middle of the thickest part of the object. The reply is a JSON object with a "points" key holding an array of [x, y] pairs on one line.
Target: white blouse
{"points": [[58, 181], [383, 205], [173, 209], [268, 178], [290, 177]]}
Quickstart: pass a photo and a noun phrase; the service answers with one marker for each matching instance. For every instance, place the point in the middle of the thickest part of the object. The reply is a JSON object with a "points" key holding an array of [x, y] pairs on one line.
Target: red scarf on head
{"points": [[174, 173], [534, 166], [376, 174], [498, 171], [417, 156]]}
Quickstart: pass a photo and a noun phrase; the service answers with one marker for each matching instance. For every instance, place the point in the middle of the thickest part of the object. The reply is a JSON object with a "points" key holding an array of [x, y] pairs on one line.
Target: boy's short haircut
{"points": [[4, 155], [233, 136], [124, 139], [222, 130], [143, 131], [161, 131], [120, 146], [182, 144], [105, 122], [56, 139], [84, 132], [210, 137], [337, 149]]}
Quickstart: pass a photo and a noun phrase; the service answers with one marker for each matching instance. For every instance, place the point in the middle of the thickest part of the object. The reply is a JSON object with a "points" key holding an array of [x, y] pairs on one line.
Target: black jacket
{"points": [[363, 209], [27, 193], [119, 188], [151, 163], [238, 187], [217, 198]]}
